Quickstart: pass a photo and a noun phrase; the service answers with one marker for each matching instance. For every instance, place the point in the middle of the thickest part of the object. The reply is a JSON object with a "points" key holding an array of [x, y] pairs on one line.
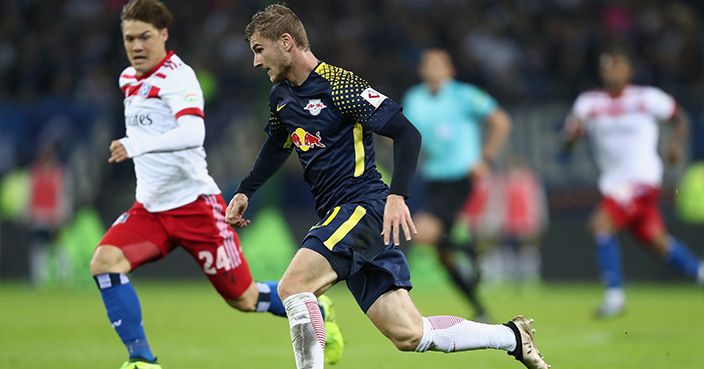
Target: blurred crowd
{"points": [[518, 49], [59, 59]]}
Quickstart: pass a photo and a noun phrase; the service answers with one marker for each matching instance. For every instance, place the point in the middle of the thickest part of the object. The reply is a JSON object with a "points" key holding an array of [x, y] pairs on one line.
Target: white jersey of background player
{"points": [[164, 117], [624, 130], [622, 121]]}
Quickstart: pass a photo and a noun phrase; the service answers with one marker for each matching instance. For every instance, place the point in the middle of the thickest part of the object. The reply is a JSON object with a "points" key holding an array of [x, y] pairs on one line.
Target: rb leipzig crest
{"points": [[315, 106]]}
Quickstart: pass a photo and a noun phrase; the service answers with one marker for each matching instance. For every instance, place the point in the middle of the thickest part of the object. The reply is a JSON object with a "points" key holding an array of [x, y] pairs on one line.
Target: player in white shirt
{"points": [[622, 122], [177, 202]]}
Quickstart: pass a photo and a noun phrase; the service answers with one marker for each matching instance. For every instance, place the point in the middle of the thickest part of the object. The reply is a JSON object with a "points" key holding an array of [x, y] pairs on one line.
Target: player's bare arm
{"points": [[235, 211], [572, 132], [499, 128], [680, 122]]}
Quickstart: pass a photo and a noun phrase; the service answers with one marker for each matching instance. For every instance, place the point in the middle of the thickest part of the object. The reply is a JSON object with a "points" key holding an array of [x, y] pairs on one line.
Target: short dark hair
{"points": [[274, 21], [153, 12], [618, 50]]}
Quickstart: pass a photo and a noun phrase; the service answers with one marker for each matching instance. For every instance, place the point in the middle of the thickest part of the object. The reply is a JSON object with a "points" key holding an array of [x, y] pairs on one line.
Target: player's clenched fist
{"points": [[233, 215], [118, 152]]}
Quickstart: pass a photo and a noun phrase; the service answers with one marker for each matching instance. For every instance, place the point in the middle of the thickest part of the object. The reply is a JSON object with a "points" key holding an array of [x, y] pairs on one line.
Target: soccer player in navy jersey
{"points": [[328, 116]]}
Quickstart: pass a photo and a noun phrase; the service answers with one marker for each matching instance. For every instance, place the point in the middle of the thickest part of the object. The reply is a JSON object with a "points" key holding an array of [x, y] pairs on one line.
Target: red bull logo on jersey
{"points": [[305, 141], [315, 106]]}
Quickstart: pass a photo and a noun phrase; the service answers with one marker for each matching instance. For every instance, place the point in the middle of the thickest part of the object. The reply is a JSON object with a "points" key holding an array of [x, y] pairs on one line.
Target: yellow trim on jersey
{"points": [[327, 221], [358, 149], [346, 227], [320, 69], [289, 142]]}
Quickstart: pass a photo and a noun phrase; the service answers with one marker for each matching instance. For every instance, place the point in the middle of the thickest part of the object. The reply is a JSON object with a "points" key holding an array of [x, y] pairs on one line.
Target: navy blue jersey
{"points": [[330, 120]]}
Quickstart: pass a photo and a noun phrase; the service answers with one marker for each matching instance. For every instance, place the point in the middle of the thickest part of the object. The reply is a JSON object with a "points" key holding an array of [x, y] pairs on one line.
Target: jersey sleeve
{"points": [[478, 102], [660, 104], [276, 130], [580, 109], [274, 127], [182, 93], [357, 100]]}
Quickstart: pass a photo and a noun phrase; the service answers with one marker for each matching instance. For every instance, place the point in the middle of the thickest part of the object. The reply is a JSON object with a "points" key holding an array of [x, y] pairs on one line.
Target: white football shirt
{"points": [[624, 130], [153, 103]]}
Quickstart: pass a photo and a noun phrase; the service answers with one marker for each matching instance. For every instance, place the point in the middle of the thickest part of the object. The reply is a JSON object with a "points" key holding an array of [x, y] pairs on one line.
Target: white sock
{"points": [[451, 333], [614, 296], [307, 330]]}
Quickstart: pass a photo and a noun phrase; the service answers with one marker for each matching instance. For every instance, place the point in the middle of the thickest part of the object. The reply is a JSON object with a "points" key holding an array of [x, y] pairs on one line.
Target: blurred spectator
{"points": [[48, 208], [526, 219], [507, 214]]}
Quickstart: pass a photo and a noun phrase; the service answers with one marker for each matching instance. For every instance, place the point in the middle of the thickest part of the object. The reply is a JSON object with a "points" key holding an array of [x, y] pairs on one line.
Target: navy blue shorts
{"points": [[445, 199], [349, 237]]}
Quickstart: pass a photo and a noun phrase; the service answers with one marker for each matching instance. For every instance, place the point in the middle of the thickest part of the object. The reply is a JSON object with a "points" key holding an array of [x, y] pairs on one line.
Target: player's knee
{"points": [[446, 258], [429, 228], [287, 289], [594, 227], [426, 238], [601, 223], [658, 245], [109, 259]]}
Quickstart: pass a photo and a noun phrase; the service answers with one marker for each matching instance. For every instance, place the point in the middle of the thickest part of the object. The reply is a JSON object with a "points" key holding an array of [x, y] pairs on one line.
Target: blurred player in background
{"points": [[507, 213], [328, 116], [621, 121], [177, 202], [49, 208], [525, 220], [449, 114]]}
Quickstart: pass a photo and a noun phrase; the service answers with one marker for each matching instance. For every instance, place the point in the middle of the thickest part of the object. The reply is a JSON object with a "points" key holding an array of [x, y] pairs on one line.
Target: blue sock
{"points": [[680, 258], [269, 299], [608, 255], [124, 312]]}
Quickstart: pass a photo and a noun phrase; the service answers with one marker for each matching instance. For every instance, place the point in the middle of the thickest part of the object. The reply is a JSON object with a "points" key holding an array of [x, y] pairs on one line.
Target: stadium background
{"points": [[59, 62]]}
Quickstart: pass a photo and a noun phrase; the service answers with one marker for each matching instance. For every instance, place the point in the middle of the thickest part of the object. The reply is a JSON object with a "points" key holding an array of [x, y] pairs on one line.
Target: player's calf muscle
{"points": [[247, 302], [242, 304], [407, 340]]}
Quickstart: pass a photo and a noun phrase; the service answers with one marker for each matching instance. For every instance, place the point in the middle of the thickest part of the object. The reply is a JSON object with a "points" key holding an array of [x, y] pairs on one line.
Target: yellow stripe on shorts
{"points": [[346, 227], [327, 221]]}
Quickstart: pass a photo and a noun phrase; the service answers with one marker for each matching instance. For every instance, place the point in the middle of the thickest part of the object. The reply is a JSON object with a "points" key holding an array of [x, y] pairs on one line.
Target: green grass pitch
{"points": [[190, 327]]}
